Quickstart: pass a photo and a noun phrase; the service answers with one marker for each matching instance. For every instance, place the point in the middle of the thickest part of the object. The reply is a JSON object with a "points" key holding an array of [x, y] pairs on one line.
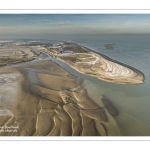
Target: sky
{"points": [[19, 25]]}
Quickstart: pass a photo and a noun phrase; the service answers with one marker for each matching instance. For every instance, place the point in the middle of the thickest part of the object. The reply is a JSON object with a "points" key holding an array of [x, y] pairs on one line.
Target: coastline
{"points": [[102, 67], [47, 92], [40, 100], [113, 60]]}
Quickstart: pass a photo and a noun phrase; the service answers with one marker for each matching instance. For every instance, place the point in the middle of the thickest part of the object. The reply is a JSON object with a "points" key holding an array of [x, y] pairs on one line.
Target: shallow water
{"points": [[132, 101]]}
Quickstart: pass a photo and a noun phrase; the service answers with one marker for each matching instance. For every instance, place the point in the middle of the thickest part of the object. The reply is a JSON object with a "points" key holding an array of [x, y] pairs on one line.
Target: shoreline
{"points": [[49, 99], [113, 60], [105, 68]]}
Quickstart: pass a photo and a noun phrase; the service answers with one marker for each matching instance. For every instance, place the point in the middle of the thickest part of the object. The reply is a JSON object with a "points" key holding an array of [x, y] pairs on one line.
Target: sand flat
{"points": [[45, 100], [35, 114]]}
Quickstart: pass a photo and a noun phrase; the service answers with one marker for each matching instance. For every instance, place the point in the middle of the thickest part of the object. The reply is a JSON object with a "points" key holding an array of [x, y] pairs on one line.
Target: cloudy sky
{"points": [[44, 24]]}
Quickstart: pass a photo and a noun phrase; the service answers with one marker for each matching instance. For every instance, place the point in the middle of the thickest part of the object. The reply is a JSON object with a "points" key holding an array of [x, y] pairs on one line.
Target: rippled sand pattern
{"points": [[39, 98], [48, 103]]}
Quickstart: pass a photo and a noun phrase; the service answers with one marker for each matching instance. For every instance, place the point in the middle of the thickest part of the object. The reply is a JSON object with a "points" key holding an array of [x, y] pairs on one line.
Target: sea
{"points": [[131, 101]]}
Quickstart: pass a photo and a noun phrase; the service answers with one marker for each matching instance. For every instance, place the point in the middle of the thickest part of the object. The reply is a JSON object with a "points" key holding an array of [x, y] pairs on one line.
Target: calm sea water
{"points": [[132, 101]]}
